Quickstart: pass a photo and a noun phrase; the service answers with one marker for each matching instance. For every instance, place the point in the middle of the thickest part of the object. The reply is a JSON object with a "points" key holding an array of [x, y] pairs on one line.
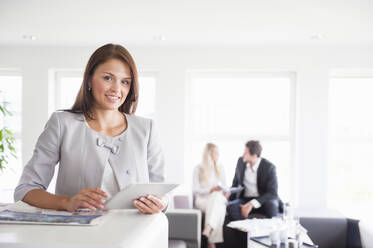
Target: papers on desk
{"points": [[22, 213], [256, 227], [232, 190], [263, 227]]}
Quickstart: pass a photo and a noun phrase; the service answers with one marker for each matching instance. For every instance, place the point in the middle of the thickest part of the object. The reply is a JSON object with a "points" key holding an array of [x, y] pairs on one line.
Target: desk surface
{"points": [[120, 228]]}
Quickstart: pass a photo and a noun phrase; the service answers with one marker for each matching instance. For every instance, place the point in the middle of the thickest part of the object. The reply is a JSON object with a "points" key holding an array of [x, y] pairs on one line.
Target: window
{"points": [[231, 108], [351, 143], [11, 91], [67, 88], [146, 104]]}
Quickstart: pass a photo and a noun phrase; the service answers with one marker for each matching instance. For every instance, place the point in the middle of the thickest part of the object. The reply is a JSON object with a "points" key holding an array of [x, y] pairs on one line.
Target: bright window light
{"points": [[11, 91], [351, 145], [68, 91], [229, 110]]}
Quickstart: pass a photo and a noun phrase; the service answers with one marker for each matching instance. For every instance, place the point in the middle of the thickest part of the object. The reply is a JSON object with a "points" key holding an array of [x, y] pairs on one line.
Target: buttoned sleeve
{"points": [[39, 171], [155, 157]]}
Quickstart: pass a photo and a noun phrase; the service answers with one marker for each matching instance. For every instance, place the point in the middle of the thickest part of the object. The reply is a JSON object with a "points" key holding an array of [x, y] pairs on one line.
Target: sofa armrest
{"points": [[185, 224], [326, 232]]}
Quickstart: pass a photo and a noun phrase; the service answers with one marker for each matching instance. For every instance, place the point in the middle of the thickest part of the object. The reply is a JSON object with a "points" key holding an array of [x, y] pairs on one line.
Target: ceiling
{"points": [[192, 22]]}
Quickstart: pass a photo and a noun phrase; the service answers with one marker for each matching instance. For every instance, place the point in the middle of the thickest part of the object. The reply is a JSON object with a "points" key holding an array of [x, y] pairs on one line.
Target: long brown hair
{"points": [[84, 100]]}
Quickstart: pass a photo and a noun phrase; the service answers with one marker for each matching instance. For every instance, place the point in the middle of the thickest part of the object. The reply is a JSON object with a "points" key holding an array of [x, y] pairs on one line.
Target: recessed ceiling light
{"points": [[315, 37], [160, 37], [29, 37]]}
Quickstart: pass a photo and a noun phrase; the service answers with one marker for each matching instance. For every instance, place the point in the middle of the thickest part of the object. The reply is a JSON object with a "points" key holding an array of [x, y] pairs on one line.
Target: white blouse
{"points": [[109, 181], [204, 189]]}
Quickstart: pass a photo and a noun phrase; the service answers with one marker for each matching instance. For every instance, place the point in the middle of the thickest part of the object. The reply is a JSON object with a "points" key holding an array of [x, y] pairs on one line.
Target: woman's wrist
{"points": [[165, 200], [64, 202]]}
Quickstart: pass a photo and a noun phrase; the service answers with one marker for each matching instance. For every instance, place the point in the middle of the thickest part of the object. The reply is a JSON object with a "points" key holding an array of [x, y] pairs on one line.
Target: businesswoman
{"points": [[100, 145], [208, 181]]}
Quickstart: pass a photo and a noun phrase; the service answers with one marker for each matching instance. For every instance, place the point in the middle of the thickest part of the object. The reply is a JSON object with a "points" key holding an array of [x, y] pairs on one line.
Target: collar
{"points": [[256, 165]]}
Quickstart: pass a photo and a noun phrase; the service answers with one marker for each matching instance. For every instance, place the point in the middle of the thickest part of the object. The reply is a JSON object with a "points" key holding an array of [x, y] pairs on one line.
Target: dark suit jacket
{"points": [[266, 181]]}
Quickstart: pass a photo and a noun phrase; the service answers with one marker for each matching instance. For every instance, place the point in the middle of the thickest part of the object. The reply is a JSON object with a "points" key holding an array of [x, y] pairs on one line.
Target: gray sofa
{"points": [[333, 232], [326, 228], [184, 228]]}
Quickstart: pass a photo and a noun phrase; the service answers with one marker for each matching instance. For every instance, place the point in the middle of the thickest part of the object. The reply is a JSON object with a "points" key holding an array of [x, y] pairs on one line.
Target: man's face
{"points": [[247, 157]]}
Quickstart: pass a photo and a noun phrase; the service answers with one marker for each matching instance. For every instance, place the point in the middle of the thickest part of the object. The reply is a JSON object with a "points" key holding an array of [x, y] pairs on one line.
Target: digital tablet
{"points": [[124, 198]]}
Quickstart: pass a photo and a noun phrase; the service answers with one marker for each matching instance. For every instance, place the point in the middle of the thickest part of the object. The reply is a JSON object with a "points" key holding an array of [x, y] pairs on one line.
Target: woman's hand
{"points": [[91, 198], [227, 194], [151, 204], [215, 188]]}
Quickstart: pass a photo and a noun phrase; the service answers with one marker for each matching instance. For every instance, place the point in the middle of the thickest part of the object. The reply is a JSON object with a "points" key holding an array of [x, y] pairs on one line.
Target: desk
{"points": [[120, 228], [253, 244], [260, 227]]}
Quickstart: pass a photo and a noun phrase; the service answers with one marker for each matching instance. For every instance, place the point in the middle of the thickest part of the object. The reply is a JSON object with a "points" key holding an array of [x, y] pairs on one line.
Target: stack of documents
{"points": [[22, 213], [256, 227]]}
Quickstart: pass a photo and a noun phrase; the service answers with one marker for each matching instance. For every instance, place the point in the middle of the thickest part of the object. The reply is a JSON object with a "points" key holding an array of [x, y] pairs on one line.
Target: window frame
{"points": [[344, 73], [17, 134], [189, 136]]}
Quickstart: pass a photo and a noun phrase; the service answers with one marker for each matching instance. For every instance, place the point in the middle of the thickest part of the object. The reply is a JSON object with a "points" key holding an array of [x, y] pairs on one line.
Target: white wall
{"points": [[311, 64]]}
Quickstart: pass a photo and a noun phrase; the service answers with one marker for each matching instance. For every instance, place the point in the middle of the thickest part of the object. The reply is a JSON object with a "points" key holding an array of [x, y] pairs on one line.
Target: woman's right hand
{"points": [[215, 188], [91, 198]]}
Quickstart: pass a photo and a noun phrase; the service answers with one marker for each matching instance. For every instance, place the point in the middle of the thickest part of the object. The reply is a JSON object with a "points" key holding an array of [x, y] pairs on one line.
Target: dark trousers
{"points": [[235, 238], [269, 208]]}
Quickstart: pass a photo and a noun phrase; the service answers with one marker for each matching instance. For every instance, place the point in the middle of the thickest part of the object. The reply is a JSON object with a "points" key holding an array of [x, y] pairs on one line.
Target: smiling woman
{"points": [[99, 74], [100, 144], [111, 84]]}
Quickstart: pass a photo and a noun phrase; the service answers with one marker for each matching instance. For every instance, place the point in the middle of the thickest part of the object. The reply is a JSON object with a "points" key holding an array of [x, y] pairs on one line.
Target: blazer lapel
{"points": [[242, 172], [259, 176]]}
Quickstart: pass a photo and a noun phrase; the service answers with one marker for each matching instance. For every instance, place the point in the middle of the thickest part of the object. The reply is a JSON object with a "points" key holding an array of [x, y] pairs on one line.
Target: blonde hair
{"points": [[208, 166]]}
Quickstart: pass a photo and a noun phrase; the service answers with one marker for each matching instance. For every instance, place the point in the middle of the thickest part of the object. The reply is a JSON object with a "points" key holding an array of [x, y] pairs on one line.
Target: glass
{"points": [[350, 107], [351, 145], [146, 103], [229, 111], [68, 91], [218, 102], [11, 91]]}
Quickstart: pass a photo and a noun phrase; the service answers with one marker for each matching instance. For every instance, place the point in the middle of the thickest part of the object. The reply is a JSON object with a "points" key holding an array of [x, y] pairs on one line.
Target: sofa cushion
{"points": [[176, 244]]}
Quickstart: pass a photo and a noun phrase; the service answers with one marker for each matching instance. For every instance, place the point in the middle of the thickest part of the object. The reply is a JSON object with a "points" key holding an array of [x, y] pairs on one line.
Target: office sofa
{"points": [[333, 232], [184, 228], [327, 229]]}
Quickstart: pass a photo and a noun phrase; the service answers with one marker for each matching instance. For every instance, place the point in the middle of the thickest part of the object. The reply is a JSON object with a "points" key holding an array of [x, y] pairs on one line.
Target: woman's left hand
{"points": [[227, 194], [151, 204]]}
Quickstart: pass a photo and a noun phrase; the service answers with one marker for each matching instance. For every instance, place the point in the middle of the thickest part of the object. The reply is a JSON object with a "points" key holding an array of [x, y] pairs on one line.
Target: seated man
{"points": [[258, 177]]}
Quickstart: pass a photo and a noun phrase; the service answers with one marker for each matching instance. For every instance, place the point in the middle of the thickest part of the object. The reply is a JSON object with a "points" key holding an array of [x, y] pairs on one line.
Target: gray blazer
{"points": [[82, 153]]}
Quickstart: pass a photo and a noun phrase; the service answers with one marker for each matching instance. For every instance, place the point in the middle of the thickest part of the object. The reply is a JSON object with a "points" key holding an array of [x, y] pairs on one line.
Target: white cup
{"points": [[284, 235], [275, 238]]}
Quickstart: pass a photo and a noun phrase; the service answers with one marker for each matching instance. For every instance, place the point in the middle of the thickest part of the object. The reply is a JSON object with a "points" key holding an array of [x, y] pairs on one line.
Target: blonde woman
{"points": [[208, 180]]}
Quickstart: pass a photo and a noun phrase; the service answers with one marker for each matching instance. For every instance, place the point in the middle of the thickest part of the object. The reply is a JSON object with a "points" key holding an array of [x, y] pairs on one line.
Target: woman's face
{"points": [[111, 83], [215, 154]]}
